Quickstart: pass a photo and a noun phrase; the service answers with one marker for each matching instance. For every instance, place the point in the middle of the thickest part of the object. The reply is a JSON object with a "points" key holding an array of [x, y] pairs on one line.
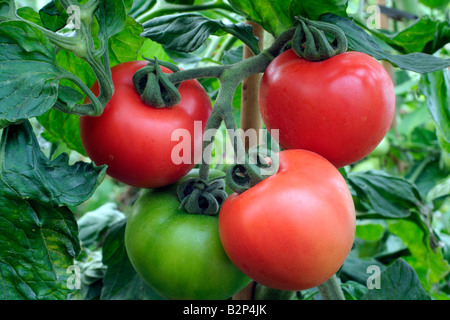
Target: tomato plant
{"points": [[135, 140], [340, 108], [293, 230]]}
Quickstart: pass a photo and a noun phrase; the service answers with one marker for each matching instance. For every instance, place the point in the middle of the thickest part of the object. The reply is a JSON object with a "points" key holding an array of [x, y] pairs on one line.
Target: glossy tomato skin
{"points": [[179, 254], [135, 140], [340, 108], [293, 230]]}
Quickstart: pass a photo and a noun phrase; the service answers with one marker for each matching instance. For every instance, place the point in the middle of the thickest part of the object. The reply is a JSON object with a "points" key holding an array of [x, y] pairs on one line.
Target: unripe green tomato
{"points": [[367, 164], [382, 149], [179, 254]]}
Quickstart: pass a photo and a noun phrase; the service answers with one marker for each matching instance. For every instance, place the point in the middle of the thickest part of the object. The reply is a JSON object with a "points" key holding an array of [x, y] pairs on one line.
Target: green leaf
{"points": [[277, 16], [359, 40], [441, 189], [62, 127], [140, 6], [356, 269], [125, 45], [383, 196], [369, 230], [436, 4], [185, 2], [29, 14], [435, 87], [353, 290], [29, 75], [153, 49], [121, 281], [53, 16], [429, 264], [187, 32], [426, 35], [111, 16], [388, 196], [39, 233], [35, 177], [398, 282]]}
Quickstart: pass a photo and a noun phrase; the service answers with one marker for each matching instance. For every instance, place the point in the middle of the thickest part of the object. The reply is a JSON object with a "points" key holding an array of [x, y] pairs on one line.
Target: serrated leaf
{"points": [[39, 233], [359, 40], [277, 16], [28, 73], [187, 32], [398, 282], [435, 87], [54, 183], [121, 280]]}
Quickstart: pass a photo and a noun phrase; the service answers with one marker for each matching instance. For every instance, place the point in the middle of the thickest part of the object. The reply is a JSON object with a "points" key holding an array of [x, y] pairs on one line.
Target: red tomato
{"points": [[293, 230], [340, 108], [134, 139]]}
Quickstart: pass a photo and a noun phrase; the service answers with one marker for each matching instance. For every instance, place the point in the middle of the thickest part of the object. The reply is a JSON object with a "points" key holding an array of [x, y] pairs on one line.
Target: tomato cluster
{"points": [[293, 230]]}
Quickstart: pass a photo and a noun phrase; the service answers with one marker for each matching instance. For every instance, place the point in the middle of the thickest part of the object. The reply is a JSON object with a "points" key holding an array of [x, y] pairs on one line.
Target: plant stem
{"points": [[230, 76], [331, 289], [250, 115]]}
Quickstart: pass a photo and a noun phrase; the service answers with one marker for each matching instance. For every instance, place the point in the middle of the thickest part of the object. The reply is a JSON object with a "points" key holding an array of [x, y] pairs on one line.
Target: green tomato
{"points": [[179, 254], [367, 164], [381, 149]]}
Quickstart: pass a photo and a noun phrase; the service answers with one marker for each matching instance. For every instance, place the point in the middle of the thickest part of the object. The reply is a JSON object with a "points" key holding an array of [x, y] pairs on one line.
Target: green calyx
{"points": [[259, 164], [317, 40], [198, 196], [154, 87]]}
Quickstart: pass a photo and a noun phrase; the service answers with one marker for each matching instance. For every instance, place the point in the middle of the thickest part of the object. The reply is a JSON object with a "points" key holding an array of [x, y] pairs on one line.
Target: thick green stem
{"points": [[94, 106], [230, 76], [331, 289], [197, 73], [82, 45]]}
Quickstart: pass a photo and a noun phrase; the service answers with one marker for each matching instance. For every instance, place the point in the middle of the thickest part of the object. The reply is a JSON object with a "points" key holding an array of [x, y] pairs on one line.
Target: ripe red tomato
{"points": [[340, 108], [134, 139], [293, 230]]}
